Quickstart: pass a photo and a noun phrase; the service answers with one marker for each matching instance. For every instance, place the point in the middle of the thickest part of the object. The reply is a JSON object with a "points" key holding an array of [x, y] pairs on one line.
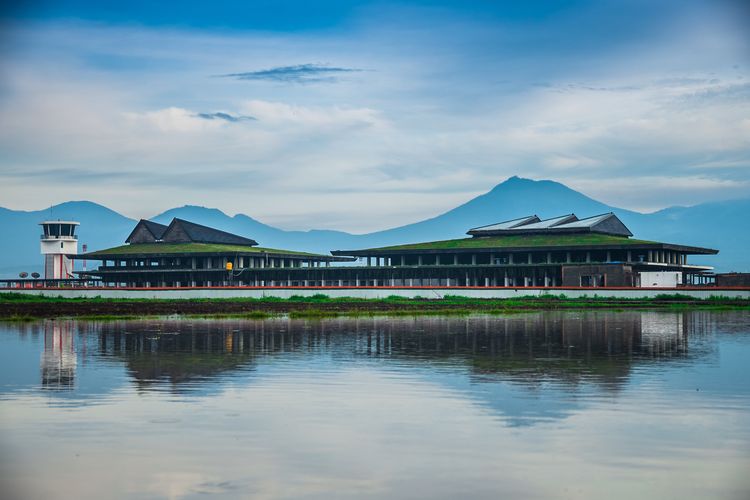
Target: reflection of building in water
{"points": [[491, 359], [667, 335], [663, 334], [58, 361], [568, 348], [176, 351]]}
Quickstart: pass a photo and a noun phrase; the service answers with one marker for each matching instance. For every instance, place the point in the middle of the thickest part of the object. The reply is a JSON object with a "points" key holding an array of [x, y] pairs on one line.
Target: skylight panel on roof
{"points": [[554, 222], [587, 222], [508, 224]]}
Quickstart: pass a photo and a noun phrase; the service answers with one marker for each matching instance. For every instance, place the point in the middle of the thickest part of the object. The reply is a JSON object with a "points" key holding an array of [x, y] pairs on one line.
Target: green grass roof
{"points": [[180, 248], [522, 241]]}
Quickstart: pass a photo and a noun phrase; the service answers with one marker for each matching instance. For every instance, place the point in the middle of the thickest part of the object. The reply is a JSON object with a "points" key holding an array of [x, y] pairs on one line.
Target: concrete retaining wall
{"points": [[374, 293]]}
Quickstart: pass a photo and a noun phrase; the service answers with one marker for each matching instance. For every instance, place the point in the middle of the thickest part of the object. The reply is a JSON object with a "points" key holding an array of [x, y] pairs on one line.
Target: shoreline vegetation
{"points": [[20, 307]]}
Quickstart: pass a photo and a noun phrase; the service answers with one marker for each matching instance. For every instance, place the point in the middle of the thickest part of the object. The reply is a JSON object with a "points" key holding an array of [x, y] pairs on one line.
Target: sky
{"points": [[364, 115]]}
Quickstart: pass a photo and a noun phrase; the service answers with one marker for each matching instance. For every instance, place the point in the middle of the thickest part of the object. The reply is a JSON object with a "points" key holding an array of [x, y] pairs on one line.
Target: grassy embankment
{"points": [[20, 307]]}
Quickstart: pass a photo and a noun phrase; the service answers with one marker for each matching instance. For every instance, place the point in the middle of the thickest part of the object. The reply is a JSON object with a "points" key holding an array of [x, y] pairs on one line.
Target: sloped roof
{"points": [[607, 223], [182, 231], [156, 229]]}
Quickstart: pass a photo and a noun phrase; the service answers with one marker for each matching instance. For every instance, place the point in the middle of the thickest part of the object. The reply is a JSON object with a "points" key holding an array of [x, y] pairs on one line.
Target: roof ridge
{"points": [[210, 234]]}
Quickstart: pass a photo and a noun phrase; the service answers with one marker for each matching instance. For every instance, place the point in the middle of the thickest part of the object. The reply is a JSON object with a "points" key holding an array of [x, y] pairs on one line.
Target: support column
{"points": [[403, 260], [455, 260], [588, 256], [473, 259]]}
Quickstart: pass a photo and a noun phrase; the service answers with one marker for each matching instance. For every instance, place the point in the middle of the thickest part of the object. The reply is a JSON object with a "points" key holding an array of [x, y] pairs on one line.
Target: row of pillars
{"points": [[667, 257], [656, 256], [469, 281], [220, 262]]}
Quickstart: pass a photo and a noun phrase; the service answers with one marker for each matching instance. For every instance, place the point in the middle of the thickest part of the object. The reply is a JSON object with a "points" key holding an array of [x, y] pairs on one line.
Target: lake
{"points": [[584, 405]]}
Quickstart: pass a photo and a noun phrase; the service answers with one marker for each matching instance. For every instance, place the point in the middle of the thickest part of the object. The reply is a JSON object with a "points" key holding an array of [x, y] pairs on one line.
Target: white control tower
{"points": [[58, 241]]}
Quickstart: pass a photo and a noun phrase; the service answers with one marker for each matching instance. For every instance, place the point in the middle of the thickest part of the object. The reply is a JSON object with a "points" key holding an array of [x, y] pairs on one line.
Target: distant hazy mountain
{"points": [[723, 225], [19, 248]]}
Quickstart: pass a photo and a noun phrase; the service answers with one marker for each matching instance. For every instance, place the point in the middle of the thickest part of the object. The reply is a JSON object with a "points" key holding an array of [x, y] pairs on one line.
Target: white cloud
{"points": [[279, 113], [427, 124], [172, 120]]}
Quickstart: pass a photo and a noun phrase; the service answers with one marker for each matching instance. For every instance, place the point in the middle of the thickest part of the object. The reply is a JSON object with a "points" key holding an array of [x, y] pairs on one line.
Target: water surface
{"points": [[543, 405]]}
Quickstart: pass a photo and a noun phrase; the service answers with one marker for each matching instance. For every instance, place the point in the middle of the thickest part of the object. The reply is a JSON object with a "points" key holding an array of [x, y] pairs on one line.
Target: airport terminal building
{"points": [[563, 251], [186, 254]]}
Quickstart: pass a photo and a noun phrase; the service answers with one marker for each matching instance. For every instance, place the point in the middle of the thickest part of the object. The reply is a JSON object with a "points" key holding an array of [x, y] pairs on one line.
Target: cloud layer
{"points": [[642, 115]]}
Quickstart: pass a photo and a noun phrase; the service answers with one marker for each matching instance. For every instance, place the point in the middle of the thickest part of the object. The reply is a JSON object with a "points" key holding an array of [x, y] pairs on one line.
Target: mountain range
{"points": [[723, 225]]}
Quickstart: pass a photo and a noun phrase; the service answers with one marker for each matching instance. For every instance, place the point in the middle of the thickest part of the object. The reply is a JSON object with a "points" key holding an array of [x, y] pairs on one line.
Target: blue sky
{"points": [[362, 115]]}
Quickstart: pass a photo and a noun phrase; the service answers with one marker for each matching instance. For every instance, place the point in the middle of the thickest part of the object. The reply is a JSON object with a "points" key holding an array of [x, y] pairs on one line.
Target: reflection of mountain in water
{"points": [[507, 364], [540, 366], [526, 349]]}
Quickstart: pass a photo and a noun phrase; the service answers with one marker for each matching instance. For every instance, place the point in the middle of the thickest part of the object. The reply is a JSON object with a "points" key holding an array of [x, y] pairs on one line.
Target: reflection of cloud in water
{"points": [[177, 484], [526, 368], [589, 402]]}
